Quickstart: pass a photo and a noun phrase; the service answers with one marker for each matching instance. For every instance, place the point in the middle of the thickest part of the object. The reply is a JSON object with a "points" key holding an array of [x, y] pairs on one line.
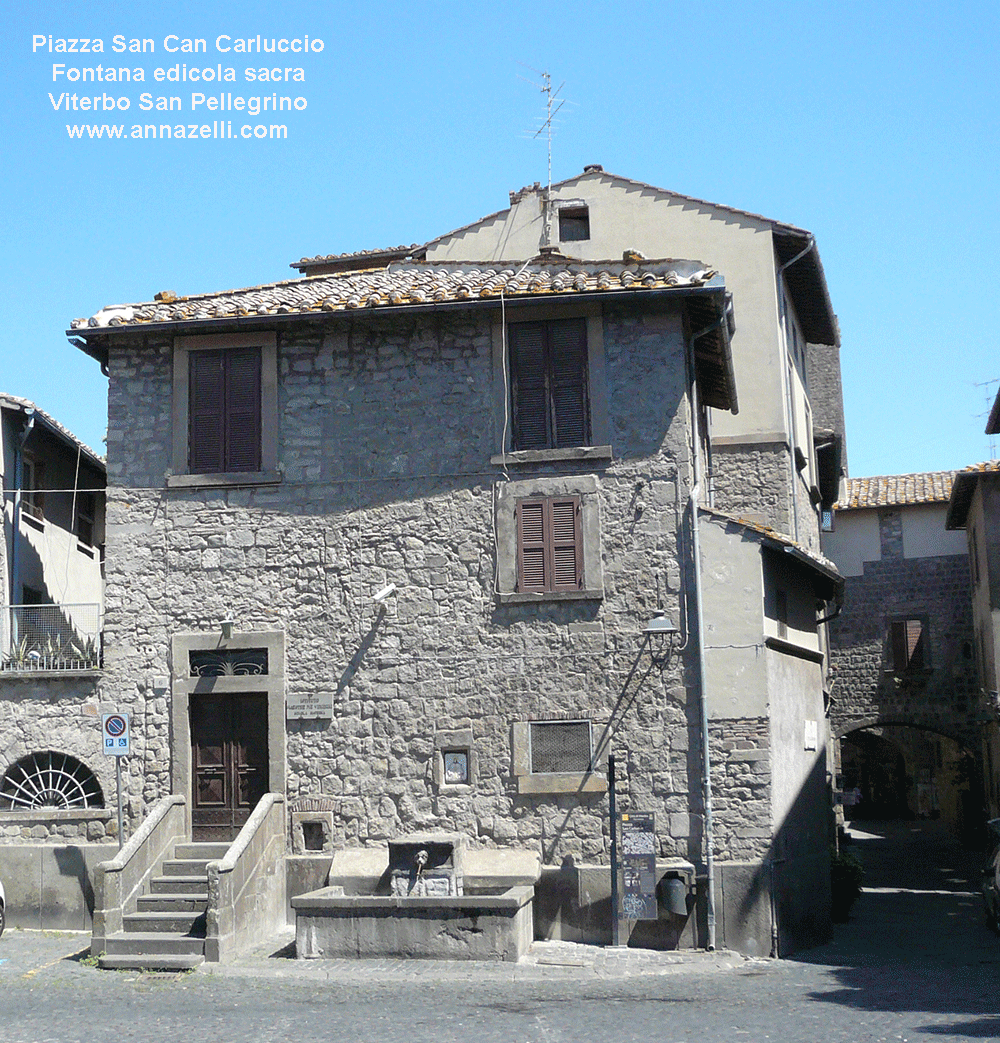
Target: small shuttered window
{"points": [[224, 411], [549, 544], [548, 362], [907, 645]]}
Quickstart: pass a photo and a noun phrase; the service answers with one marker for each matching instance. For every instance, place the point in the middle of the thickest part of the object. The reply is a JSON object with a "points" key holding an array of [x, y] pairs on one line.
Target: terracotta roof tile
{"points": [[894, 490], [405, 283]]}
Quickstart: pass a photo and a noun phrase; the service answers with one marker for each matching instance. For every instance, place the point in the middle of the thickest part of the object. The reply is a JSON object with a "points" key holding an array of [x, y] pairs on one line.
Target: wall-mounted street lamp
{"points": [[659, 636], [227, 627]]}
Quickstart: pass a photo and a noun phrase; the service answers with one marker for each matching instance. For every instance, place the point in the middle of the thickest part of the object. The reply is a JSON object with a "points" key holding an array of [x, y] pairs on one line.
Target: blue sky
{"points": [[872, 125]]}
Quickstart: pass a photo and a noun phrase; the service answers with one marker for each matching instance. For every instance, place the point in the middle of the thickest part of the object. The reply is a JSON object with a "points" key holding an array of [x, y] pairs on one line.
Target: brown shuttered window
{"points": [[549, 544], [907, 641], [224, 411], [548, 362]]}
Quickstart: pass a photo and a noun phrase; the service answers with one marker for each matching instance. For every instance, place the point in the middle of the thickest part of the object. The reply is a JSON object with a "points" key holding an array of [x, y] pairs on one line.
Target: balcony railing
{"points": [[51, 637]]}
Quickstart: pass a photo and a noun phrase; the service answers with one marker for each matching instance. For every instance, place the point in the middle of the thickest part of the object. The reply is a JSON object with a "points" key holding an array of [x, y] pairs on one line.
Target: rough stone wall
{"points": [[826, 392], [943, 697], [752, 481], [61, 715], [741, 778], [385, 438]]}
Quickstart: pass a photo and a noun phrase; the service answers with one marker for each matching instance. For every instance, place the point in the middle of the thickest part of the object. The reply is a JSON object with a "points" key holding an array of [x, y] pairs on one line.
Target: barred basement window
{"points": [[560, 746], [49, 780]]}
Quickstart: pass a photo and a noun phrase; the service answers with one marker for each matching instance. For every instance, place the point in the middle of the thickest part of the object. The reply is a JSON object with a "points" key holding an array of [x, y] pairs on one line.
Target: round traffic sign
{"points": [[115, 725]]}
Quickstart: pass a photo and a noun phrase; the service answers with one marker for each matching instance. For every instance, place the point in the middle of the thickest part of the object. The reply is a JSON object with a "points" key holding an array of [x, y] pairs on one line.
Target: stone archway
{"points": [[904, 770]]}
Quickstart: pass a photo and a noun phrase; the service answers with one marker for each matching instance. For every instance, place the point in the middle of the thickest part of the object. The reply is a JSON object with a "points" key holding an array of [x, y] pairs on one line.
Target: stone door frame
{"points": [[183, 686]]}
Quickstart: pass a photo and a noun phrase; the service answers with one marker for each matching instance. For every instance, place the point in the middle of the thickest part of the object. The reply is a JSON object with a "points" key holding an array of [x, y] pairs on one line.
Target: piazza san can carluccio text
{"points": [[263, 82]]}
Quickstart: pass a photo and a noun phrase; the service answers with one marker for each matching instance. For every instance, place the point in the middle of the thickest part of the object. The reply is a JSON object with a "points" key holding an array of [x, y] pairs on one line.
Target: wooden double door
{"points": [[229, 759]]}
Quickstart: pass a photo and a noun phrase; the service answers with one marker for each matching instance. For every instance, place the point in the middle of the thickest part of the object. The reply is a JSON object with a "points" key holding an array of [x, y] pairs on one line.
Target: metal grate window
{"points": [[49, 780], [228, 662], [560, 746]]}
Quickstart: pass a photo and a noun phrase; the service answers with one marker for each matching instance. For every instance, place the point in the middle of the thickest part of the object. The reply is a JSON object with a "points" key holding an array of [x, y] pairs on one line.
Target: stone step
{"points": [[124, 943], [186, 866], [173, 923], [150, 961], [176, 885], [164, 902], [208, 851]]}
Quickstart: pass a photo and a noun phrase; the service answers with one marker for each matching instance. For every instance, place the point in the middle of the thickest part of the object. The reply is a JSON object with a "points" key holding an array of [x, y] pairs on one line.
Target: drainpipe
{"points": [[706, 758], [789, 404], [15, 567]]}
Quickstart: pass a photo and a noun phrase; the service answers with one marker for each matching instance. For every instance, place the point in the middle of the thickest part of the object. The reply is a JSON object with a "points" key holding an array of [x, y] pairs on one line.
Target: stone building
{"points": [[55, 790], [387, 540], [975, 507], [905, 700]]}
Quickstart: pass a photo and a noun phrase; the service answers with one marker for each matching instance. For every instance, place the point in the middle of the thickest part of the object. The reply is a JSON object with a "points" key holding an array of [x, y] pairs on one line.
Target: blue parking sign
{"points": [[116, 732]]}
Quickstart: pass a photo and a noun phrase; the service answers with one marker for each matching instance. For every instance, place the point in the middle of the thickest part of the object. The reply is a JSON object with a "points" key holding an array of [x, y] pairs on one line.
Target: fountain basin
{"points": [[332, 925]]}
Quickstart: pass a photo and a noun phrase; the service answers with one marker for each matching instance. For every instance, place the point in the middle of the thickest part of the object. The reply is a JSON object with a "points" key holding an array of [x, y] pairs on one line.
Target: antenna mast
{"points": [[551, 97], [989, 395]]}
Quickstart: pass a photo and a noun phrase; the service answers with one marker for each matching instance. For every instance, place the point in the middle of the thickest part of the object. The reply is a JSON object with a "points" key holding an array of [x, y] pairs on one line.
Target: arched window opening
{"points": [[49, 780]]}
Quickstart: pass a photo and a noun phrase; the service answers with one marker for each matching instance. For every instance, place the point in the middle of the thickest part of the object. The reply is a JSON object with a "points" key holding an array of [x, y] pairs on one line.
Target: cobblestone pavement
{"points": [[915, 962]]}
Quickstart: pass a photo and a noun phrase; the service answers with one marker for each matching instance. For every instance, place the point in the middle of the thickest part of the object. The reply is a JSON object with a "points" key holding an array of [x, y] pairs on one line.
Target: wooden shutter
{"points": [[567, 549], [548, 364], [224, 411], [531, 560], [907, 637], [529, 380], [206, 412], [568, 365], [243, 410], [549, 544]]}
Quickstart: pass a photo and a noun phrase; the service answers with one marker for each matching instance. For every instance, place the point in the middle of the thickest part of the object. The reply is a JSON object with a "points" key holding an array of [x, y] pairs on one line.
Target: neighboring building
{"points": [[55, 787], [975, 507], [905, 703], [387, 539]]}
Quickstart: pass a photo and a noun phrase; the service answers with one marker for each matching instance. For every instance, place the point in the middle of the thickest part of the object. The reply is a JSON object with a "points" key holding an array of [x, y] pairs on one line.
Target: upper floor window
{"points": [[549, 544], [907, 645], [548, 362], [574, 224], [33, 482], [224, 411]]}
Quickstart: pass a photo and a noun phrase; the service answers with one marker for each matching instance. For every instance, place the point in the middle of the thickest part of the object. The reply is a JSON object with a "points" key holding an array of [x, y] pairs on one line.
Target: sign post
{"points": [[116, 737], [638, 856]]}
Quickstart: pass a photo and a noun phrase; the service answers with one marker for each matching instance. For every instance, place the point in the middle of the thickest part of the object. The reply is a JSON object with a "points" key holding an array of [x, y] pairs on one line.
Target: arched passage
{"points": [[896, 771]]}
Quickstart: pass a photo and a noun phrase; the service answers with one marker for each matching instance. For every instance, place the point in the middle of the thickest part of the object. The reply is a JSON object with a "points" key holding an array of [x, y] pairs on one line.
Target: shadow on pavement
{"points": [[917, 939]]}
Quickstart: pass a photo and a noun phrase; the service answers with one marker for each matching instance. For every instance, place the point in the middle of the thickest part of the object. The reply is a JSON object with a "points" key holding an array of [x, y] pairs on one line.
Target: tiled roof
{"points": [[404, 284], [23, 405], [896, 490], [322, 264], [780, 540], [964, 487]]}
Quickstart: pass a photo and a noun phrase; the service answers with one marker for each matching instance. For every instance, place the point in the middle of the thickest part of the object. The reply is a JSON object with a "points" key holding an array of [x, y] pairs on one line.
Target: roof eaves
{"points": [[63, 433], [780, 541]]}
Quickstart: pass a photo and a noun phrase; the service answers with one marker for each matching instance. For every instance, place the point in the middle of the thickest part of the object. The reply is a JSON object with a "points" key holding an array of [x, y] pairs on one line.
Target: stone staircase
{"points": [[166, 930]]}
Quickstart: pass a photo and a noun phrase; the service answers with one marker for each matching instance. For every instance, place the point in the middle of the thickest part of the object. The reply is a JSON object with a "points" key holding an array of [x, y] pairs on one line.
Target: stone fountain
{"points": [[419, 908]]}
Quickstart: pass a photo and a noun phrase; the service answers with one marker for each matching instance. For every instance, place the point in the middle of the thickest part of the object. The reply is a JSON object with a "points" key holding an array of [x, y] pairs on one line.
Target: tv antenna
{"points": [[989, 395], [553, 103]]}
